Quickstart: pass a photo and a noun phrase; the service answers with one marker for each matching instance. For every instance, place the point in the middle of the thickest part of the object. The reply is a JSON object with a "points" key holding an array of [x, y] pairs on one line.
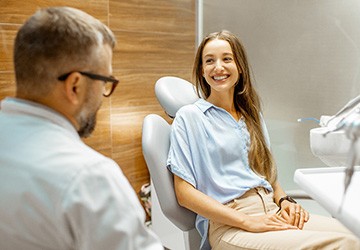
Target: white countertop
{"points": [[326, 186]]}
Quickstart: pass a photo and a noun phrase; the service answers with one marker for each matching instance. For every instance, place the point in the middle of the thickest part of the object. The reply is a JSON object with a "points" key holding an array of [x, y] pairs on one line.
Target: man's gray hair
{"points": [[55, 41]]}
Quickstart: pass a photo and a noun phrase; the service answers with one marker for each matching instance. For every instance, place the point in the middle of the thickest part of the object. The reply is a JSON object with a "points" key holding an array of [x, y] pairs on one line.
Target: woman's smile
{"points": [[220, 77]]}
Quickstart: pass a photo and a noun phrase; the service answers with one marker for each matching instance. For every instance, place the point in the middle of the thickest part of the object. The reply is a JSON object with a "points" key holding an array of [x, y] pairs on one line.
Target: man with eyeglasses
{"points": [[55, 191]]}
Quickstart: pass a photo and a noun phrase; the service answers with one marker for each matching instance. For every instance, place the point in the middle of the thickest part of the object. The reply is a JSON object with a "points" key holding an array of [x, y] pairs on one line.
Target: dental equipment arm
{"points": [[351, 125], [350, 105]]}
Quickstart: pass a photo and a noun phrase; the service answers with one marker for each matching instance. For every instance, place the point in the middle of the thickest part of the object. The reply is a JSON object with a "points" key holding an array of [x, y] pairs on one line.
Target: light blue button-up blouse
{"points": [[209, 150]]}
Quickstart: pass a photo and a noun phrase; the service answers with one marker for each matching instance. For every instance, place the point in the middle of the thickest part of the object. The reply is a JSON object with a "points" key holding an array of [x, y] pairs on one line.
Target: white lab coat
{"points": [[58, 193]]}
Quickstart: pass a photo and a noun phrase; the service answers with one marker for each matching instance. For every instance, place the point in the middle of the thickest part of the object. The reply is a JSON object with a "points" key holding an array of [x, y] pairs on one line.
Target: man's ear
{"points": [[74, 88]]}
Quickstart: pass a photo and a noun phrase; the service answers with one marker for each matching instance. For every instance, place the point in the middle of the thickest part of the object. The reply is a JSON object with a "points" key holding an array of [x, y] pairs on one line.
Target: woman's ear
{"points": [[74, 88]]}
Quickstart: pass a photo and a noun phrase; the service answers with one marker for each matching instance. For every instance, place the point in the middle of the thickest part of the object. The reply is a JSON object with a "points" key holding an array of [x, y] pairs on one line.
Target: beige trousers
{"points": [[318, 233]]}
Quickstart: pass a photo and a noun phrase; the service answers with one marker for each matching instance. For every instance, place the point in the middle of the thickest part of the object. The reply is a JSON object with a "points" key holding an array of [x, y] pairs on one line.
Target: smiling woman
{"points": [[223, 167]]}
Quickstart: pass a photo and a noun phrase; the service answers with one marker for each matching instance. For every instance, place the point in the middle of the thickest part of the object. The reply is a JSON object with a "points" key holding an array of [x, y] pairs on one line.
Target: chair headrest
{"points": [[173, 93]]}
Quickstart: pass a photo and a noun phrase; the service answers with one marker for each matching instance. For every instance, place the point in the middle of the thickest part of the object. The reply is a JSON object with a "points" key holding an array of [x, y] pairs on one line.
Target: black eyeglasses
{"points": [[110, 82]]}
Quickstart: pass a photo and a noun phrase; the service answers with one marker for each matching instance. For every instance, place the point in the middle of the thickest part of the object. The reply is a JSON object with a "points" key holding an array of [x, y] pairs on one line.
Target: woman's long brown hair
{"points": [[246, 102]]}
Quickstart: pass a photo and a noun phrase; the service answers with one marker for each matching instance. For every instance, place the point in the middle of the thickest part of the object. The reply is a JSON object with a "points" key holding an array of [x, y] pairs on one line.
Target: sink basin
{"points": [[333, 149]]}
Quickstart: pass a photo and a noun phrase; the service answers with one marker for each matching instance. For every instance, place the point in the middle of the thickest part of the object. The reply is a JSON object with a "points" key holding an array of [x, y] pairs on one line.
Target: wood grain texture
{"points": [[153, 51], [155, 39], [17, 12], [136, 87], [7, 84], [159, 16], [132, 101], [7, 35]]}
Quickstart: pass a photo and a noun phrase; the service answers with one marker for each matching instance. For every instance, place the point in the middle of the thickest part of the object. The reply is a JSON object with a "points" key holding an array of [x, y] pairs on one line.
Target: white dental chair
{"points": [[172, 93]]}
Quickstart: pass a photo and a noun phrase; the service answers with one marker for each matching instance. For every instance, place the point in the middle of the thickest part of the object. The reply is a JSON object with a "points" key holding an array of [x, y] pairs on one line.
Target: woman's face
{"points": [[219, 67]]}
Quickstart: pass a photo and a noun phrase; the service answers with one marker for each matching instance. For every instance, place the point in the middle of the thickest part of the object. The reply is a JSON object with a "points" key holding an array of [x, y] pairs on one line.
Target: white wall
{"points": [[305, 58]]}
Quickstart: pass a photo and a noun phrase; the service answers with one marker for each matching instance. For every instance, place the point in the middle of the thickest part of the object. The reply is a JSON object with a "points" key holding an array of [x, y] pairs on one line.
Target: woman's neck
{"points": [[226, 102]]}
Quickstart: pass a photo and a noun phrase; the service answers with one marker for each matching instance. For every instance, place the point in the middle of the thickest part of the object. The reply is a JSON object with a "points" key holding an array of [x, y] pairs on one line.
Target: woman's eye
{"points": [[227, 59], [209, 60]]}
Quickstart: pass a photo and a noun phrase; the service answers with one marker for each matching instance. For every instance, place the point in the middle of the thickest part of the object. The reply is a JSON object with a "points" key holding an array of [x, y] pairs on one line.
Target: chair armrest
{"points": [[298, 194]]}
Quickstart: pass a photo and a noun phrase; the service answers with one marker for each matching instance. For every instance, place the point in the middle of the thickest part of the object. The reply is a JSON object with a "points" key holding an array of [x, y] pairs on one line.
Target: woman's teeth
{"points": [[218, 78]]}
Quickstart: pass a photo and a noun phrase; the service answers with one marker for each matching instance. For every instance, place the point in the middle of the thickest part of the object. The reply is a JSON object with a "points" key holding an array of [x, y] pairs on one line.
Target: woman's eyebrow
{"points": [[208, 55], [224, 54]]}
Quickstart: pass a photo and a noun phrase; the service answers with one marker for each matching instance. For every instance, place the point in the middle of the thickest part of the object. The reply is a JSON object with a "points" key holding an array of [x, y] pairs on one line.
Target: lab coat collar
{"points": [[21, 106]]}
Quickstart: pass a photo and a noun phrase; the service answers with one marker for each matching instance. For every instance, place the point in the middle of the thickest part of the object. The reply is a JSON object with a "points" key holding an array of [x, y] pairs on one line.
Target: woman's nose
{"points": [[218, 65]]}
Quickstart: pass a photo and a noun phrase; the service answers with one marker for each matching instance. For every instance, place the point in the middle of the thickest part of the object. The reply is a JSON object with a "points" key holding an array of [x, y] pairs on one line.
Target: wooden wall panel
{"points": [[7, 32], [133, 100], [154, 39], [7, 84], [158, 16], [14, 11], [136, 87], [153, 51]]}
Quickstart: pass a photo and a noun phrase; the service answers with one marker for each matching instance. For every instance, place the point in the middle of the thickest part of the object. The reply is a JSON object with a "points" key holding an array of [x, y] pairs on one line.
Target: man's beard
{"points": [[87, 124], [87, 116]]}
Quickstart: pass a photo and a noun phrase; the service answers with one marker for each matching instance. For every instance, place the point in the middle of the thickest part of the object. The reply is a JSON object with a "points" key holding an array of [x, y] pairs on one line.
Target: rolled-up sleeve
{"points": [[180, 159]]}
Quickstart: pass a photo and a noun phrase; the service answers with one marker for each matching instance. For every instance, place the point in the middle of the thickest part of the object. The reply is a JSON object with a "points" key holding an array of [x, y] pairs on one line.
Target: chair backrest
{"points": [[172, 93], [155, 146]]}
